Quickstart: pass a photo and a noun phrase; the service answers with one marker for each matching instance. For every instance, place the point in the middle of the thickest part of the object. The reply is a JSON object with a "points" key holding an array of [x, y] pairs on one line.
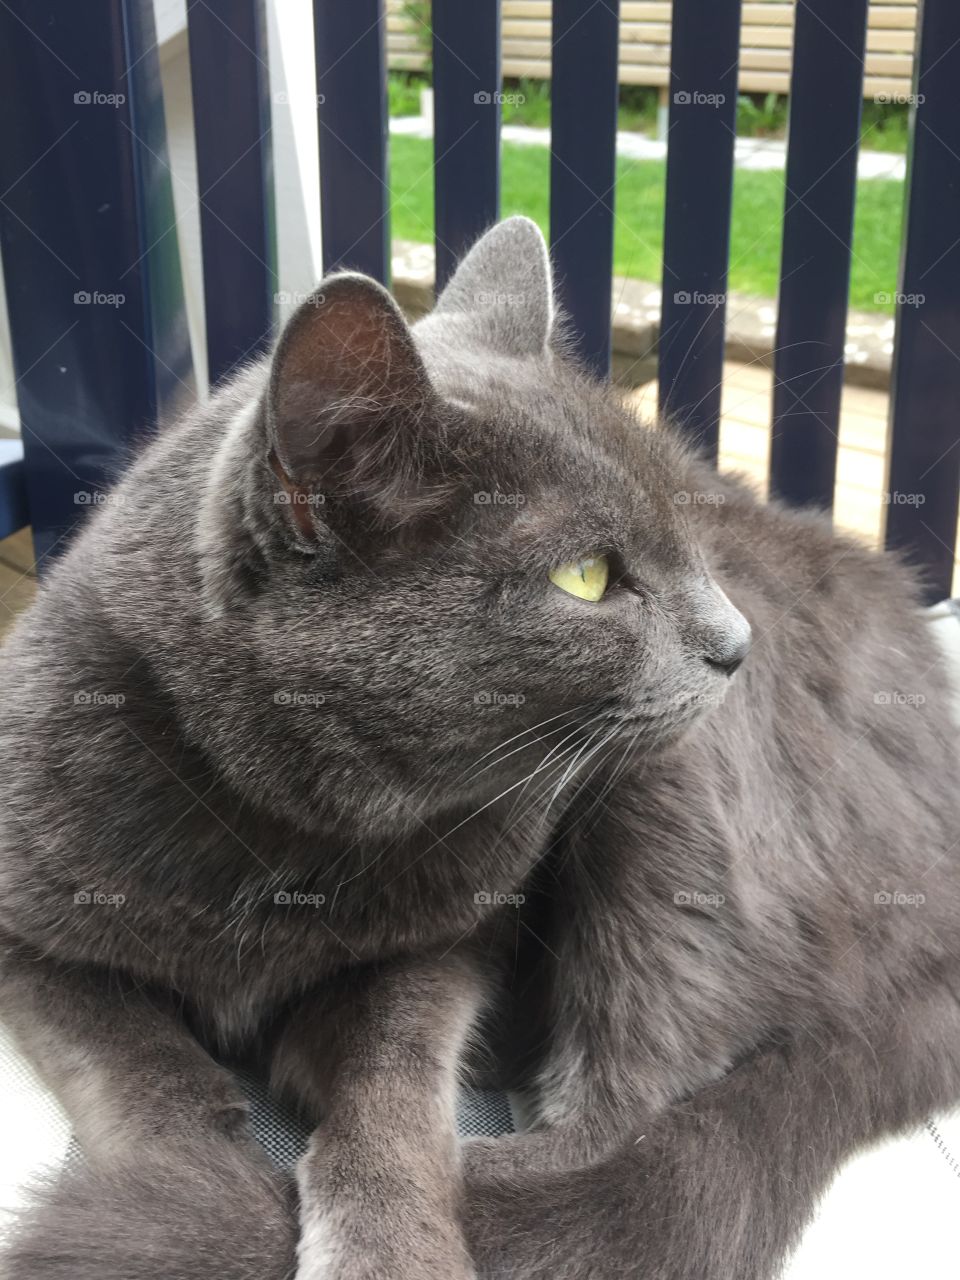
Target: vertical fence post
{"points": [[696, 244], [826, 99], [353, 126], [91, 263], [231, 110], [585, 99], [924, 454], [467, 82]]}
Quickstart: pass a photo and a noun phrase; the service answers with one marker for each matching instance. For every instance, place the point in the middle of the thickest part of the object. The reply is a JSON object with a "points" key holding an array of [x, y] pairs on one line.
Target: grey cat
{"points": [[406, 626]]}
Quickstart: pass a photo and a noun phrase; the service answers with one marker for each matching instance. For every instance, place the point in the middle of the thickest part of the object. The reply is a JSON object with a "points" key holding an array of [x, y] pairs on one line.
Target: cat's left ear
{"points": [[347, 392], [502, 291]]}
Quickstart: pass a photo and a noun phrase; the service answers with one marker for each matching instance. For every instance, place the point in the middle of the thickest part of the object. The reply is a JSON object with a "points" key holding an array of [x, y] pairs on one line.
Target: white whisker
{"points": [[532, 729], [581, 761], [560, 759]]}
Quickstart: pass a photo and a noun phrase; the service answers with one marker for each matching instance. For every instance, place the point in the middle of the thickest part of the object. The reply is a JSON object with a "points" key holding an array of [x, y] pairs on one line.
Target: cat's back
{"points": [[828, 772]]}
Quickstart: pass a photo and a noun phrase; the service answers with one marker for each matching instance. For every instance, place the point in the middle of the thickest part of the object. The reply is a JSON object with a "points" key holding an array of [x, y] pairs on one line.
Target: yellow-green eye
{"points": [[585, 579]]}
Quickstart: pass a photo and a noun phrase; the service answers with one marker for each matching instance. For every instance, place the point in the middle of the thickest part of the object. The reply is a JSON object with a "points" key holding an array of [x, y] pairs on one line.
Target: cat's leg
{"points": [[722, 1184], [603, 1067], [630, 1023], [126, 1070], [375, 1052], [172, 1182]]}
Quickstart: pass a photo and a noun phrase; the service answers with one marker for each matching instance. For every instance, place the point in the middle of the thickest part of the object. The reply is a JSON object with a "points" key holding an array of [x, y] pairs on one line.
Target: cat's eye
{"points": [[585, 579]]}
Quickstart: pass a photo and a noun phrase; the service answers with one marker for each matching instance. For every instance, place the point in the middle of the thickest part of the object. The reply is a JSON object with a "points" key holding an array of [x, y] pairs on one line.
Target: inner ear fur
{"points": [[347, 401]]}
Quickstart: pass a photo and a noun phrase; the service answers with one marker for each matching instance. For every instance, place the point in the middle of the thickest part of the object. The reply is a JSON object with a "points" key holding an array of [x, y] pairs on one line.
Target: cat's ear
{"points": [[346, 394], [503, 289]]}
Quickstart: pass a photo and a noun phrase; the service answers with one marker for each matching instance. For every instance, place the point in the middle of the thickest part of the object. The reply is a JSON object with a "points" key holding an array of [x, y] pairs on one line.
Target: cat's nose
{"points": [[722, 631], [731, 659]]}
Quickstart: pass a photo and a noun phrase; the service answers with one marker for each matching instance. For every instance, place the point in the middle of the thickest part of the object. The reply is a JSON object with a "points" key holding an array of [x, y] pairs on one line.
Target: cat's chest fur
{"points": [[239, 914]]}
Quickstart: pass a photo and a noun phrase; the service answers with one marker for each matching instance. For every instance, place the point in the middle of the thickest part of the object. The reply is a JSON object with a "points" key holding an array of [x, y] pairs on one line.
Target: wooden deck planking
{"points": [[18, 582]]}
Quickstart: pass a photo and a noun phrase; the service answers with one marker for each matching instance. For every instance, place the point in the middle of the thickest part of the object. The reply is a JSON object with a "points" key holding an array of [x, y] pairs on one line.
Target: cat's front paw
{"points": [[357, 1225], [375, 1247]]}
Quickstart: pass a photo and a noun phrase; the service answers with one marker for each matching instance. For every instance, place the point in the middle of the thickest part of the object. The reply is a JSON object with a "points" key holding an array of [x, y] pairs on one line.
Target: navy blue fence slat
{"points": [[466, 85], [14, 513], [924, 464], [826, 101], [231, 109], [696, 244], [353, 123], [91, 264], [583, 168]]}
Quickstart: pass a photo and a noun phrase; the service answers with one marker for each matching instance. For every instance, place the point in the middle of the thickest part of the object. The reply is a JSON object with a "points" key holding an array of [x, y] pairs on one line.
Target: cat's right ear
{"points": [[501, 294], [347, 395]]}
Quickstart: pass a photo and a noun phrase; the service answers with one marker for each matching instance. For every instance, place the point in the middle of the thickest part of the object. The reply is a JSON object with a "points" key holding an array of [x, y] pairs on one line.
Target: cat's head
{"points": [[458, 554]]}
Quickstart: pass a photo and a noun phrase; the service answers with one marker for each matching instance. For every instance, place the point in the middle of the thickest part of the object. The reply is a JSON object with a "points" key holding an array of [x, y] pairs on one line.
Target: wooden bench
{"points": [[645, 34]]}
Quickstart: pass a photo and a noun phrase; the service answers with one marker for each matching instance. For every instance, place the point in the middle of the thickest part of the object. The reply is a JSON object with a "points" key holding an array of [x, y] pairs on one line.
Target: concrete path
{"points": [[751, 153]]}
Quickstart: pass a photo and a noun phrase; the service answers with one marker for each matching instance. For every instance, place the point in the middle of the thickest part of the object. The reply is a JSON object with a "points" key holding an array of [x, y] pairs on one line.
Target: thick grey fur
{"points": [[310, 647]]}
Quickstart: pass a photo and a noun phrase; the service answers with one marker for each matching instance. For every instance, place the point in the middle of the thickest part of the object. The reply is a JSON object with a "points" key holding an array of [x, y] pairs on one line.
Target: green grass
{"points": [[761, 116], [403, 93], [528, 102], [757, 217], [885, 127]]}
